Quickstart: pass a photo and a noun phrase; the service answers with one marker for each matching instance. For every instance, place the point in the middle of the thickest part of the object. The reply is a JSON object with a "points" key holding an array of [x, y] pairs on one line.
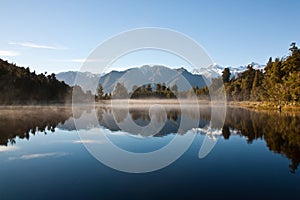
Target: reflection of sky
{"points": [[125, 140], [39, 155], [41, 146], [58, 163], [8, 148]]}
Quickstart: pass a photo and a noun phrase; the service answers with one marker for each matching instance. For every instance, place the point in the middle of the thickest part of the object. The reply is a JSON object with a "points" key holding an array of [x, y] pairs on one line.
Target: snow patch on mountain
{"points": [[215, 70], [150, 74]]}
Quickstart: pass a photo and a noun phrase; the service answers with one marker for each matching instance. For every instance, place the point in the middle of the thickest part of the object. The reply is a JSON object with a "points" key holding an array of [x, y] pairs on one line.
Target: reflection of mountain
{"points": [[212, 133], [135, 76], [141, 117], [281, 132], [112, 118], [22, 121]]}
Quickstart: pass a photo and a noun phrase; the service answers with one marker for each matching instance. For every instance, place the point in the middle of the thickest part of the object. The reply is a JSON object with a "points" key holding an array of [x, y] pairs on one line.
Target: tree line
{"points": [[278, 82], [158, 90], [19, 85]]}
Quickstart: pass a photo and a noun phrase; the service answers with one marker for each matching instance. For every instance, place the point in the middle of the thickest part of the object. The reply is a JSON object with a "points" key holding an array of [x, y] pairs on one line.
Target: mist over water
{"points": [[250, 146]]}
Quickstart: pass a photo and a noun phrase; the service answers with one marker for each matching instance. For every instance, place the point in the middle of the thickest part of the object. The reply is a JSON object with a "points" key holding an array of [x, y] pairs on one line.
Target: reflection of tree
{"points": [[100, 113], [173, 114], [140, 114], [22, 122], [120, 114], [226, 132], [280, 131], [143, 114]]}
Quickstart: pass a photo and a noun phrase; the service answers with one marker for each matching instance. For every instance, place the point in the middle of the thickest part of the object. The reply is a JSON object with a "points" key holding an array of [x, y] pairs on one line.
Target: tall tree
{"points": [[293, 47], [100, 91], [226, 75], [120, 91], [163, 87], [158, 88], [149, 88], [256, 86]]}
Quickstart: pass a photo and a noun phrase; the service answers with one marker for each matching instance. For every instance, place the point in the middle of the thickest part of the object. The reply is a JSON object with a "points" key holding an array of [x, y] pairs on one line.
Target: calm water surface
{"points": [[42, 157]]}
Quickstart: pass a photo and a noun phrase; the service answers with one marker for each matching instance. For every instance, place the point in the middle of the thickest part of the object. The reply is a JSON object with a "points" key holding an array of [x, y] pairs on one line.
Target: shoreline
{"points": [[253, 105], [260, 105]]}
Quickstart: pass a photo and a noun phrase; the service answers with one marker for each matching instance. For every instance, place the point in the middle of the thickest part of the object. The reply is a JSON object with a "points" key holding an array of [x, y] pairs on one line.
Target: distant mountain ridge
{"points": [[135, 76], [86, 79], [215, 70], [150, 74]]}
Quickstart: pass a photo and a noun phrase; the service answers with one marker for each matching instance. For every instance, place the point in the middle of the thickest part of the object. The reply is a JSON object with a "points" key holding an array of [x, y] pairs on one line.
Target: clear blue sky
{"points": [[55, 35]]}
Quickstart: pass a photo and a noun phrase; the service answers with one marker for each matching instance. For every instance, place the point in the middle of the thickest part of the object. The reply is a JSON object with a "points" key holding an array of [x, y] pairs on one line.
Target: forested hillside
{"points": [[278, 82], [18, 85]]}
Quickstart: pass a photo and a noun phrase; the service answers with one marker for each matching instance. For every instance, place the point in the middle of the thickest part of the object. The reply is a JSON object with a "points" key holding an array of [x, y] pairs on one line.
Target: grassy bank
{"points": [[265, 105]]}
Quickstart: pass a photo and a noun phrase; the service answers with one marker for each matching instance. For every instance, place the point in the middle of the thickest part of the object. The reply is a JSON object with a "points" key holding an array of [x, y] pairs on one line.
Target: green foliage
{"points": [[256, 91], [167, 92], [146, 91], [279, 83], [282, 82], [26, 122], [226, 75], [100, 91], [20, 86], [161, 91], [100, 95], [280, 131]]}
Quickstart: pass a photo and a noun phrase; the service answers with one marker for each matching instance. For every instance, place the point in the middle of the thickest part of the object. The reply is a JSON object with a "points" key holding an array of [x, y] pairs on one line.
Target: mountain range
{"points": [[134, 76], [149, 74]]}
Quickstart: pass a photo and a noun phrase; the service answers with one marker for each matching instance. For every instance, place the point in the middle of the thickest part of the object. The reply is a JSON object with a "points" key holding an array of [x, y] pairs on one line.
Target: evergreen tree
{"points": [[120, 91], [293, 47], [100, 91], [226, 75], [257, 86], [149, 88], [174, 88], [163, 87], [158, 88]]}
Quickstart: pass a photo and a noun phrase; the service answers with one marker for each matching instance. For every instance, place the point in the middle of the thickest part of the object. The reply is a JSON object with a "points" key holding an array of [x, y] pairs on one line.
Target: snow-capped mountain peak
{"points": [[215, 70]]}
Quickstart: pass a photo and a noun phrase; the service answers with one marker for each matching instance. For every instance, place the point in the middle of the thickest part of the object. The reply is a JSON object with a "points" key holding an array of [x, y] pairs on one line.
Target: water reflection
{"points": [[24, 121], [169, 124], [280, 131]]}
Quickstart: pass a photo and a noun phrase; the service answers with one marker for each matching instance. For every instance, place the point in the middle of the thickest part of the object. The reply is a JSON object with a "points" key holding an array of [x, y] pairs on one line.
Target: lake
{"points": [[255, 154]]}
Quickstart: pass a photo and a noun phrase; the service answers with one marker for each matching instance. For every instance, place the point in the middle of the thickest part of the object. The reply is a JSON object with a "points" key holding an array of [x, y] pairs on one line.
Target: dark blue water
{"points": [[256, 156]]}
